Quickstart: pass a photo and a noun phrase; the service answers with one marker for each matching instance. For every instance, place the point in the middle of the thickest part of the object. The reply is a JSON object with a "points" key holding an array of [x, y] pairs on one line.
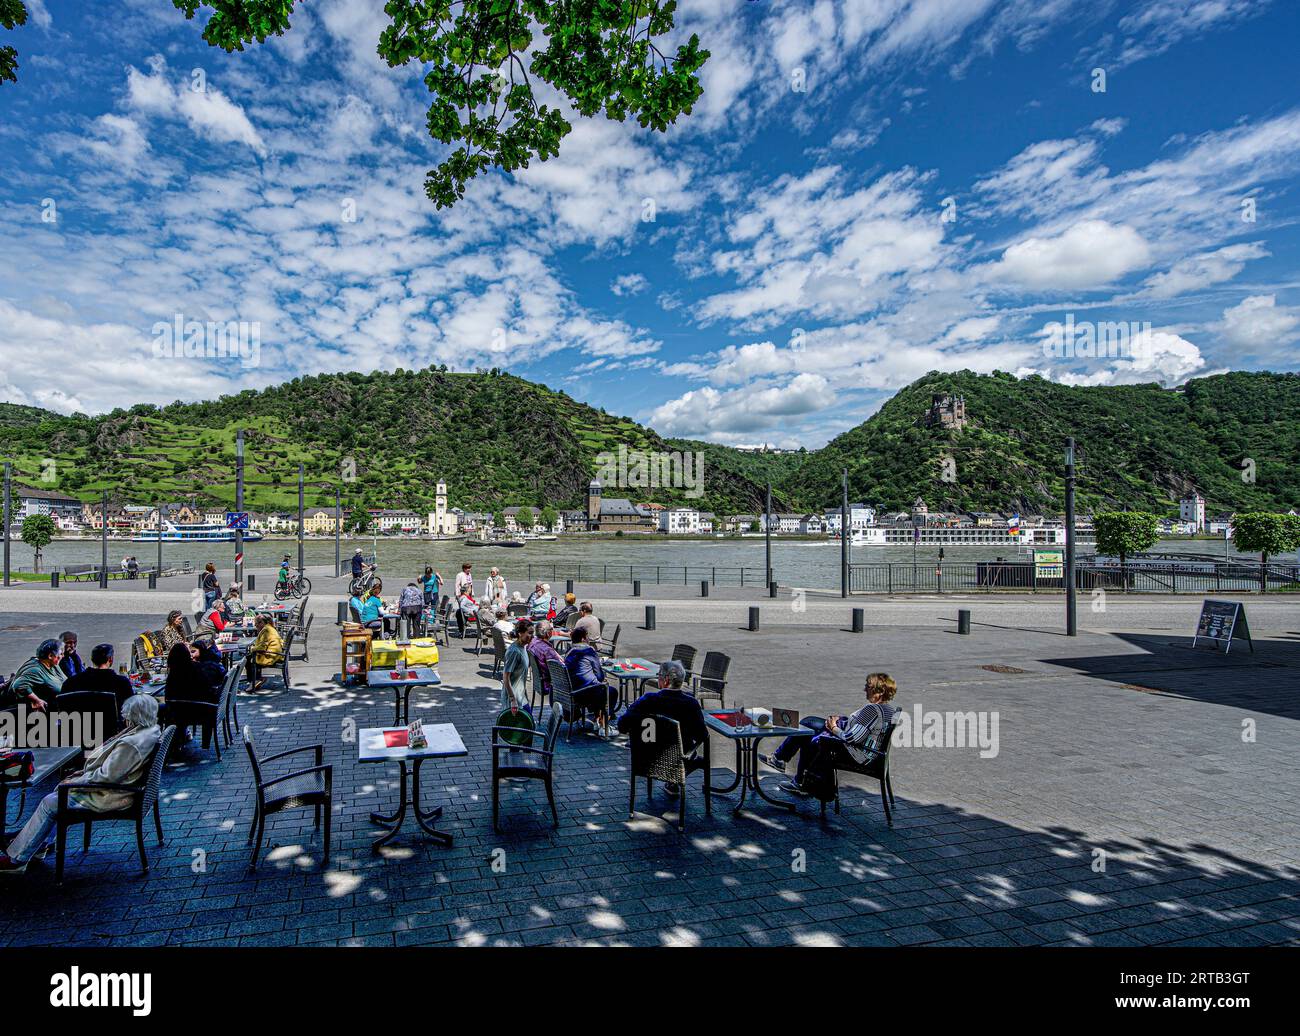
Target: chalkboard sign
{"points": [[1221, 621]]}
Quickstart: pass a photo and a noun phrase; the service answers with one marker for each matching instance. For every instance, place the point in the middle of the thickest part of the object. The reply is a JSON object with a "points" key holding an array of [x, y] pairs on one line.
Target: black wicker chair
{"points": [[607, 649], [685, 654], [229, 703], [206, 715], [498, 650], [876, 766], [144, 800], [533, 763], [537, 691], [663, 759], [85, 706], [711, 680], [562, 695], [311, 786]]}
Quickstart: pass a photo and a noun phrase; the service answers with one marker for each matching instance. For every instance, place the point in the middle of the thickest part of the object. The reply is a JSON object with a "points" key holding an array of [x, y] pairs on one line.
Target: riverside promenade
{"points": [[1126, 790]]}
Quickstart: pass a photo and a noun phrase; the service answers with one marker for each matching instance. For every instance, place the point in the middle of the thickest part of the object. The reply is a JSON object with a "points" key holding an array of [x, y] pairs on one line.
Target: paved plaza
{"points": [[1137, 792]]}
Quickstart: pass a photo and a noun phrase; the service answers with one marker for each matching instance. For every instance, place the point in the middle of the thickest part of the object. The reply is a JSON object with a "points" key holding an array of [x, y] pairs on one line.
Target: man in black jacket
{"points": [[100, 676], [673, 702]]}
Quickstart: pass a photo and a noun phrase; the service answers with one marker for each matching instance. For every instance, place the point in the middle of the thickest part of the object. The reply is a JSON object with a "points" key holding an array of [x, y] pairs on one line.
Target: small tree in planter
{"points": [[1262, 533], [37, 532], [1124, 533]]}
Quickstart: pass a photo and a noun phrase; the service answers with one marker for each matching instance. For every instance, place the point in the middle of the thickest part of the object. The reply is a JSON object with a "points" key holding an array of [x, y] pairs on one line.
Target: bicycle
{"points": [[295, 586], [360, 584]]}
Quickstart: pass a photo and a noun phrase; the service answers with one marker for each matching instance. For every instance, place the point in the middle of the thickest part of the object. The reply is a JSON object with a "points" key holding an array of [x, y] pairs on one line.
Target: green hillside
{"points": [[500, 440], [1139, 446], [497, 439]]}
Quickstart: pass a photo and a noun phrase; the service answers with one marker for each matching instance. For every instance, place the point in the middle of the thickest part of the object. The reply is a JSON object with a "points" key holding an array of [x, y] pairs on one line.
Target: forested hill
{"points": [[1139, 446], [497, 439], [500, 440]]}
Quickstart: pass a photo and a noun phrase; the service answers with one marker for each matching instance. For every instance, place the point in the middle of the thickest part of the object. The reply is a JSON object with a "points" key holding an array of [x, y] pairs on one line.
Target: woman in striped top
{"points": [[839, 739]]}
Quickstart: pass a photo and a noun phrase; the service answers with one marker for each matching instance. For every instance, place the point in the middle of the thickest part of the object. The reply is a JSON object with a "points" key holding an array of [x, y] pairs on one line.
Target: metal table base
{"points": [[397, 818]]}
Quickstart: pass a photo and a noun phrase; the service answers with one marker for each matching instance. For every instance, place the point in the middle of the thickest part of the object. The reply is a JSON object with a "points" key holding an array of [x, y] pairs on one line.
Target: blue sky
{"points": [[868, 190]]}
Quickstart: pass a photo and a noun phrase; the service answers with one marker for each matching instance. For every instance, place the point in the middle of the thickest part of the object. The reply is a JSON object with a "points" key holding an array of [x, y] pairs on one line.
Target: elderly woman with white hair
{"points": [[540, 602], [122, 759]]}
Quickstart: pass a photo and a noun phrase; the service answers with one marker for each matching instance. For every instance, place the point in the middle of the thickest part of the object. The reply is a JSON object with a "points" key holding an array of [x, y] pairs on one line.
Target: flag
{"points": [[1013, 526]]}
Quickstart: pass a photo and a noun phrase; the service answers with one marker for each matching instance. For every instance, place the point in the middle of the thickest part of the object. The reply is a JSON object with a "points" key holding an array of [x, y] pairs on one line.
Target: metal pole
{"points": [[844, 533], [239, 505], [300, 562], [338, 525], [8, 516], [103, 543], [767, 526], [158, 571], [1071, 619]]}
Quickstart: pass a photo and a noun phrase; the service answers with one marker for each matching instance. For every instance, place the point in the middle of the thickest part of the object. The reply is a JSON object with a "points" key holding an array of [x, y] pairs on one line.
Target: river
{"points": [[795, 562]]}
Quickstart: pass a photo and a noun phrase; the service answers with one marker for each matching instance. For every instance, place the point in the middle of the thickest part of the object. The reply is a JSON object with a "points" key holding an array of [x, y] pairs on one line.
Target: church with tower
{"points": [[442, 522]]}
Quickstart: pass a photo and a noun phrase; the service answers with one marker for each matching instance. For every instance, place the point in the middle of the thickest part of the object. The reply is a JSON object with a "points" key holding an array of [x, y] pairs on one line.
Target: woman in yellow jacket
{"points": [[267, 650]]}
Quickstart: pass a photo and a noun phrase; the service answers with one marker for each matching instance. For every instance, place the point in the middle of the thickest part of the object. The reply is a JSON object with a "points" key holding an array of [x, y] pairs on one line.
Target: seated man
{"points": [[71, 662], [122, 759], [587, 677], [267, 650], [673, 702], [588, 622], [539, 646], [38, 680], [838, 738], [100, 676]]}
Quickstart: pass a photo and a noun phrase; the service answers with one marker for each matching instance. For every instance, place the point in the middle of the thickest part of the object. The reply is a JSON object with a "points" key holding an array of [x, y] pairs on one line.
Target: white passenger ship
{"points": [[195, 532]]}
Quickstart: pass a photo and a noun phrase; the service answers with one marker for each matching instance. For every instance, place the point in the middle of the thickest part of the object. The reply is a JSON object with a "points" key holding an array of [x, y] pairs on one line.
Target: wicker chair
{"points": [[607, 649], [302, 634], [144, 800], [537, 689], [517, 611], [685, 654], [711, 681], [310, 786], [664, 760], [206, 715], [229, 702], [86, 706], [876, 765], [523, 767], [562, 695], [498, 650]]}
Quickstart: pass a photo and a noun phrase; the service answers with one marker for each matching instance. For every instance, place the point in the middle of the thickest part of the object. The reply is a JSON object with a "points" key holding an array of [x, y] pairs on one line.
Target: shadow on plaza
{"points": [[1266, 680], [942, 874]]}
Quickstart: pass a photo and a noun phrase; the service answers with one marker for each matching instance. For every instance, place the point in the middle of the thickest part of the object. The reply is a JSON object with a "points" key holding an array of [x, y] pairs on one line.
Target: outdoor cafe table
{"points": [[630, 670], [747, 738], [388, 744], [276, 609], [401, 683], [235, 648], [46, 763]]}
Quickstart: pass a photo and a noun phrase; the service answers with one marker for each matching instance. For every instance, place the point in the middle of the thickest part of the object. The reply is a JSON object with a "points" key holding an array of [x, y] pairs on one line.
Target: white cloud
{"points": [[1259, 324], [1201, 271], [629, 284], [1090, 254], [210, 113], [720, 416]]}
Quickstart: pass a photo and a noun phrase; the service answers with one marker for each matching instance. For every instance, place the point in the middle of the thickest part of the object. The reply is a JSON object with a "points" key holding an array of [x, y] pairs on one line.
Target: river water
{"points": [[810, 564]]}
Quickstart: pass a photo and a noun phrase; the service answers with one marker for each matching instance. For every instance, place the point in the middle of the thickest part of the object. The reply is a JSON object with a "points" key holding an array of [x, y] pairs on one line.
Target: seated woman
{"points": [[838, 739], [234, 605], [466, 612], [588, 679], [369, 611], [540, 602], [267, 650], [214, 620], [570, 608], [189, 679], [173, 632], [540, 648], [122, 759]]}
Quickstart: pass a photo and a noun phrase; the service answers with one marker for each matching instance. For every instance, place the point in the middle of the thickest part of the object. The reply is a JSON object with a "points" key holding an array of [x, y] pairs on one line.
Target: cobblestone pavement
{"points": [[1141, 793]]}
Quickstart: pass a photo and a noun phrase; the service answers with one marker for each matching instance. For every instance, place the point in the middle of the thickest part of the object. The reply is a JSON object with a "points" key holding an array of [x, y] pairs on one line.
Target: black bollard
{"points": [[963, 621], [704, 588], [771, 588], [753, 620], [343, 613], [252, 582], [568, 586], [153, 580], [859, 615], [54, 579], [649, 616], [636, 588]]}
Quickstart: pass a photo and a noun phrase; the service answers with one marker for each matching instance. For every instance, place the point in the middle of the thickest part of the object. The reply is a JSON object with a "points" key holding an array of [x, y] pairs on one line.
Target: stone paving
{"points": [[1141, 793]]}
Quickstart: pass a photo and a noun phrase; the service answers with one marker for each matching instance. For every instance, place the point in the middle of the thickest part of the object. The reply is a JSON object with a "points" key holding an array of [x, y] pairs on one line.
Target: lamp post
{"points": [[103, 543], [8, 509], [844, 533], [338, 526], [1071, 619], [767, 529], [300, 550], [239, 506]]}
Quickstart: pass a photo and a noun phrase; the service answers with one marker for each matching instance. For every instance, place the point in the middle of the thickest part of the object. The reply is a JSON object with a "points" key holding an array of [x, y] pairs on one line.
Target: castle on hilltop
{"points": [[946, 411]]}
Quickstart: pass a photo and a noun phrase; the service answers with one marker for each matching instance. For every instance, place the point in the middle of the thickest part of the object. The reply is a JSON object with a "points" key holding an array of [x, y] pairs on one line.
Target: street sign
{"points": [[1049, 564], [1220, 621], [237, 520]]}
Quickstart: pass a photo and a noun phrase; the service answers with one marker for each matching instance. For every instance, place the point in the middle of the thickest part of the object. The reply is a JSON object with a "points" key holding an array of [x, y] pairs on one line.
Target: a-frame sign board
{"points": [[1222, 622]]}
